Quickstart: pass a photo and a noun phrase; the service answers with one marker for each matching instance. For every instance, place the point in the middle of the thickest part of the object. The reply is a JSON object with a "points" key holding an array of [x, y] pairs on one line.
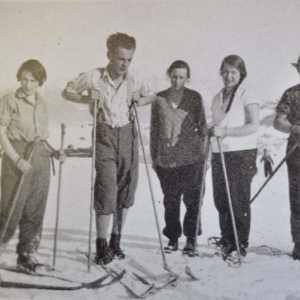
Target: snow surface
{"points": [[261, 276]]}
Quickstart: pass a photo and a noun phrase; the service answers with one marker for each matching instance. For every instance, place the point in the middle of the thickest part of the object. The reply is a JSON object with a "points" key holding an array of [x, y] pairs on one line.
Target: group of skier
{"points": [[178, 139]]}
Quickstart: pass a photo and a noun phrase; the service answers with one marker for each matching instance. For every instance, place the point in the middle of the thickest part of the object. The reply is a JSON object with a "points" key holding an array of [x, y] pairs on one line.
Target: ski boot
{"points": [[172, 246], [114, 246], [189, 247], [103, 255], [27, 263]]}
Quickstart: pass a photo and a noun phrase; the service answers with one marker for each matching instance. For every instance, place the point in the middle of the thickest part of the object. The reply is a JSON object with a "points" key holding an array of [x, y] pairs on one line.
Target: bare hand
{"points": [[60, 155], [218, 131], [23, 165], [136, 96]]}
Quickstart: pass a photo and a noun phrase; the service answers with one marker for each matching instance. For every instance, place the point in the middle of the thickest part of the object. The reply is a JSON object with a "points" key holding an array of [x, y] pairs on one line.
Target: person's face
{"points": [[231, 76], [29, 84], [178, 78], [120, 60]]}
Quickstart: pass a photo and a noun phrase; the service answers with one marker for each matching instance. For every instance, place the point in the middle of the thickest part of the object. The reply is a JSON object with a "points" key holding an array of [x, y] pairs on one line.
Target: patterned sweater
{"points": [[177, 134]]}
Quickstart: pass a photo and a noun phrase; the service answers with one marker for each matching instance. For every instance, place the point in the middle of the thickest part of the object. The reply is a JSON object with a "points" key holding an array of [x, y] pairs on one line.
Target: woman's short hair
{"points": [[237, 62], [120, 40], [179, 64], [36, 69]]}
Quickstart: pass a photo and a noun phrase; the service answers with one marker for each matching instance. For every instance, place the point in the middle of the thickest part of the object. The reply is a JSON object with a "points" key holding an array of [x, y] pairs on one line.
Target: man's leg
{"points": [[127, 177], [293, 164], [119, 221], [105, 203]]}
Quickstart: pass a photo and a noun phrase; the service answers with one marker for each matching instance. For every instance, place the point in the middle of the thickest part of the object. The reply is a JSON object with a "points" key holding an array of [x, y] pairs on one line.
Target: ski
{"points": [[272, 251], [17, 269], [190, 273], [91, 285], [150, 277], [128, 287]]}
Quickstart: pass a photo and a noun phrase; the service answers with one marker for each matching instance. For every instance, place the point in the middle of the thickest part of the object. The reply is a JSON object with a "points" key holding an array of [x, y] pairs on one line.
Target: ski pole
{"points": [[273, 173], [166, 267], [230, 202], [207, 148], [63, 132], [95, 97], [17, 193]]}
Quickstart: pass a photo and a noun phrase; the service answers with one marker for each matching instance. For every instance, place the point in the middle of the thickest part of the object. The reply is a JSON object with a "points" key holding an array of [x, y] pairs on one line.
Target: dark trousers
{"points": [[293, 164], [241, 167], [268, 168], [30, 207], [176, 182], [116, 168]]}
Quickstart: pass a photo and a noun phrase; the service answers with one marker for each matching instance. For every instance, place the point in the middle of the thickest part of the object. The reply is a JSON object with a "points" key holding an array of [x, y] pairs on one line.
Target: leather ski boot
{"points": [[27, 263], [103, 255], [172, 246], [189, 247], [114, 246]]}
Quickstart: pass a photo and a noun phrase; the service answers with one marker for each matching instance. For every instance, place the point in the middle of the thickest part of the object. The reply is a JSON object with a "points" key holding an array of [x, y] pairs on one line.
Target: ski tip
{"points": [[190, 273]]}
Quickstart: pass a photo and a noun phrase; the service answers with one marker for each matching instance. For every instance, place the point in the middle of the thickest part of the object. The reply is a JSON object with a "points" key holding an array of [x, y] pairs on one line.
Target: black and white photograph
{"points": [[150, 149]]}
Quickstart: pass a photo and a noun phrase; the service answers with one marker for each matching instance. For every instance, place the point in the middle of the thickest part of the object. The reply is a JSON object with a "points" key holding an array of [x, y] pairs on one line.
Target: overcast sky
{"points": [[69, 37]]}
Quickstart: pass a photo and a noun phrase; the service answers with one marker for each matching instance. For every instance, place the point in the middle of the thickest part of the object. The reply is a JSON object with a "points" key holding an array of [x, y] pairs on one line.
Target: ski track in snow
{"points": [[262, 276]]}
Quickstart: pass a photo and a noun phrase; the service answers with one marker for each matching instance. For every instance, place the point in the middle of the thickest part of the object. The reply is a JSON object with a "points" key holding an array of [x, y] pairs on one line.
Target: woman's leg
{"points": [[220, 197], [241, 170], [31, 223], [10, 179], [171, 186], [191, 179]]}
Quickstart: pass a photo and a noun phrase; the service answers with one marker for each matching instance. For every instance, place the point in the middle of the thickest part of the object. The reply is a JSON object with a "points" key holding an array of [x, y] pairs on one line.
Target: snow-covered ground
{"points": [[261, 276]]}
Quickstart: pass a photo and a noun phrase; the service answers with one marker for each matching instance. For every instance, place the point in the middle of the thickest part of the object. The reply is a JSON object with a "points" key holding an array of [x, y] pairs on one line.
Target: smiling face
{"points": [[29, 84], [120, 60], [178, 78], [231, 76]]}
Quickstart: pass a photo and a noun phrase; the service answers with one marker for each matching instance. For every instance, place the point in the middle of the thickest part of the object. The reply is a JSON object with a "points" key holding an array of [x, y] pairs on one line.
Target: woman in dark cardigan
{"points": [[178, 128]]}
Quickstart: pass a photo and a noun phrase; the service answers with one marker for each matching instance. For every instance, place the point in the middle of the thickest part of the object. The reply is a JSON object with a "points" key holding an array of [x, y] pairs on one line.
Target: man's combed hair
{"points": [[120, 40], [36, 69]]}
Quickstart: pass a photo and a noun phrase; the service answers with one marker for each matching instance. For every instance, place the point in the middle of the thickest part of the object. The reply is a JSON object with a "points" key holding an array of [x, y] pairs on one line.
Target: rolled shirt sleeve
{"points": [[249, 97], [142, 85], [6, 109], [83, 82]]}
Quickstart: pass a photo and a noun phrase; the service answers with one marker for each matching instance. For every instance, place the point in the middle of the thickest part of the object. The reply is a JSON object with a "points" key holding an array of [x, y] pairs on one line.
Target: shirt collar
{"points": [[240, 89], [126, 76], [21, 95]]}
